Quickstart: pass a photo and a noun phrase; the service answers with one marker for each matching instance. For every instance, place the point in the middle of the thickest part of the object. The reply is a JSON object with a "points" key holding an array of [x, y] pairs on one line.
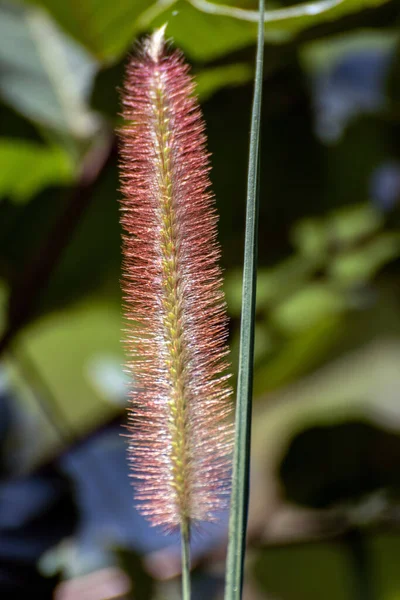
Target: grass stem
{"points": [[185, 543], [241, 459]]}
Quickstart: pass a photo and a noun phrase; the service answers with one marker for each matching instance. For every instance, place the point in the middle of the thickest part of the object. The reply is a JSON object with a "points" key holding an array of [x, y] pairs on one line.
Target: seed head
{"points": [[176, 325]]}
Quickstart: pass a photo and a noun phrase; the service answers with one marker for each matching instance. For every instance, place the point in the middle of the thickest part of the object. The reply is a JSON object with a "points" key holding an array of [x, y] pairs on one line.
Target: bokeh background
{"points": [[325, 511]]}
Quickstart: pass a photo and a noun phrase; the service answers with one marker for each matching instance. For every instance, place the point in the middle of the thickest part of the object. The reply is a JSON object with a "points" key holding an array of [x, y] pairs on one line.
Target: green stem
{"points": [[185, 544], [363, 583], [241, 459]]}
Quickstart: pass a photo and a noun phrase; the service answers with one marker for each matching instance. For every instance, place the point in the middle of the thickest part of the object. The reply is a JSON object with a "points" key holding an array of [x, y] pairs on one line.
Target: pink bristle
{"points": [[176, 336]]}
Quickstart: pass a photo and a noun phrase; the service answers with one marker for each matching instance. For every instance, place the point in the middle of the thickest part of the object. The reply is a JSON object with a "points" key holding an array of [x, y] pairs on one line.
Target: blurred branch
{"points": [[270, 16], [39, 269]]}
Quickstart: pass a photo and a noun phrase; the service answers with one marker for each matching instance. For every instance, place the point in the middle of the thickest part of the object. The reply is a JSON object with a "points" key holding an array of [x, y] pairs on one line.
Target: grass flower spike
{"points": [[180, 439]]}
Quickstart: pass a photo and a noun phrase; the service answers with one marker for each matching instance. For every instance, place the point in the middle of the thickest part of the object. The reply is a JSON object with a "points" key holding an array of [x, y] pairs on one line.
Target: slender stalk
{"points": [[241, 459], [185, 543], [363, 584]]}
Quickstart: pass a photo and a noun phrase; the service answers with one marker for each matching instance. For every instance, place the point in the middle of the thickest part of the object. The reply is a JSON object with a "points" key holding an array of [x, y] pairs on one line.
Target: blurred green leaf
{"points": [[206, 30], [309, 236], [65, 347], [44, 75], [358, 266], [272, 284], [211, 80], [298, 355], [308, 572], [106, 29], [306, 307], [28, 167], [385, 551], [349, 225], [311, 567], [202, 36]]}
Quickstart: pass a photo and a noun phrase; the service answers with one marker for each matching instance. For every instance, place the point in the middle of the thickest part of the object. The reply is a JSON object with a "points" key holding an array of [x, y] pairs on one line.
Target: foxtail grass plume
{"points": [[180, 437]]}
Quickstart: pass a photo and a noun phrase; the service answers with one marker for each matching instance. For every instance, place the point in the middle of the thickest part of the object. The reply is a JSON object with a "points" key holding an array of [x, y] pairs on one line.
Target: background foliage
{"points": [[326, 445]]}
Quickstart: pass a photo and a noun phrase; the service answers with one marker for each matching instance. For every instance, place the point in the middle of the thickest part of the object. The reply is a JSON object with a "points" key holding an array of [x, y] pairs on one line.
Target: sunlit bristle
{"points": [[176, 326], [154, 45]]}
